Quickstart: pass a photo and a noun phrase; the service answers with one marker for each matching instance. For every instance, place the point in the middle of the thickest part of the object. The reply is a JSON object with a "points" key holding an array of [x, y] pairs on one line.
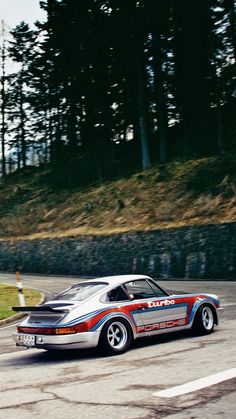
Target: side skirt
{"points": [[162, 331]]}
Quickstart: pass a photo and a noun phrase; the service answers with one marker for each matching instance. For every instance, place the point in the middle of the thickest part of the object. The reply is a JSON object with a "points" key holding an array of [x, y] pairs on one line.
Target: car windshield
{"points": [[81, 292]]}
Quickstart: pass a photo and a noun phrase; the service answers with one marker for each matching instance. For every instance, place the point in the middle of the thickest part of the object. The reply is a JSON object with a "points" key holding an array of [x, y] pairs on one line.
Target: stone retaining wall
{"points": [[188, 252]]}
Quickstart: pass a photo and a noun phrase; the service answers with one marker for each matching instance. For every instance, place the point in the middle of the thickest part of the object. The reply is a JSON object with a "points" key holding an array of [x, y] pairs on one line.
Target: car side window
{"points": [[158, 290], [139, 289], [117, 294]]}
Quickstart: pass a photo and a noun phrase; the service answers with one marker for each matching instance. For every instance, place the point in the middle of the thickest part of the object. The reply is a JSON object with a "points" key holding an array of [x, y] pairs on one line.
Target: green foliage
{"points": [[9, 298], [213, 174], [178, 193], [109, 87]]}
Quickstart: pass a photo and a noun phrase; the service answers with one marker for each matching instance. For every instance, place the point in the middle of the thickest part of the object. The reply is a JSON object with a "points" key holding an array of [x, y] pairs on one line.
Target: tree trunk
{"points": [[230, 5], [3, 100], [219, 129], [18, 152], [22, 124], [146, 163], [160, 97], [71, 127], [219, 124]]}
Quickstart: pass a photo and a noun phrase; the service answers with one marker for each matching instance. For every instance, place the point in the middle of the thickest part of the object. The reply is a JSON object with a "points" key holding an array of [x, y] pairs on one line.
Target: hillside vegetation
{"points": [[9, 298], [177, 194]]}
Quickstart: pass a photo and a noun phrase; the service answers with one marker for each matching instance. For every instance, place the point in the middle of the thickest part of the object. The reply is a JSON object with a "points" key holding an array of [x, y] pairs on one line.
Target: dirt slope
{"points": [[180, 193]]}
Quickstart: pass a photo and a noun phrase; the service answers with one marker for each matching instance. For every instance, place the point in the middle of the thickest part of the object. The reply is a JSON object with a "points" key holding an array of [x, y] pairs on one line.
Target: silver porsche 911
{"points": [[111, 312]]}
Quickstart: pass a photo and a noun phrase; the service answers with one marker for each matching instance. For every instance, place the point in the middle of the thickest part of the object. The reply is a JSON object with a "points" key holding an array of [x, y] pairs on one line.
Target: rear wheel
{"points": [[204, 322], [116, 337]]}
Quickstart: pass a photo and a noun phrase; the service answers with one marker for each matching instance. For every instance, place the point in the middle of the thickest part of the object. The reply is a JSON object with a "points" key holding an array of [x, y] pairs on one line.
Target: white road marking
{"points": [[197, 384]]}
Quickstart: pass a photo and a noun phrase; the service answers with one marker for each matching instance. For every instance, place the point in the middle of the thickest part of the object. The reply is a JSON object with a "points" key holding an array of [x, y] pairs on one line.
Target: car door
{"points": [[157, 309], [125, 305]]}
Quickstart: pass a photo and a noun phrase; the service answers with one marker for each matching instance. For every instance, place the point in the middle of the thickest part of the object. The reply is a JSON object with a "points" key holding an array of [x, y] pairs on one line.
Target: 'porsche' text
{"points": [[161, 325]]}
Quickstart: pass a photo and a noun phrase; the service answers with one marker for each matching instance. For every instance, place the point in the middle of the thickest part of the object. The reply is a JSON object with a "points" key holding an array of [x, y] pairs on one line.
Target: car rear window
{"points": [[81, 292]]}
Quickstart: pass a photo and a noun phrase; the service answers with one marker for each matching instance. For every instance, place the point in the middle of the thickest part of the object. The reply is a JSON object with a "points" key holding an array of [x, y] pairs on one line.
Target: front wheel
{"points": [[204, 322], [115, 337]]}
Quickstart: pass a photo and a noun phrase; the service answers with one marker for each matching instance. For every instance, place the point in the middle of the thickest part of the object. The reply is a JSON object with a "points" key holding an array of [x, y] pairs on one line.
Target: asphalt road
{"points": [[84, 384]]}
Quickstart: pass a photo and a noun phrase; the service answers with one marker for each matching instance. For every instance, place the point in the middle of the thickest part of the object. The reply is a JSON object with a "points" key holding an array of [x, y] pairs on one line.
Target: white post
{"points": [[20, 289]]}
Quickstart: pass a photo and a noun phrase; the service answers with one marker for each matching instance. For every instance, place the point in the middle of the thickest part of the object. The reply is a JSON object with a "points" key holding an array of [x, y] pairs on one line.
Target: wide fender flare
{"points": [[196, 308], [99, 326]]}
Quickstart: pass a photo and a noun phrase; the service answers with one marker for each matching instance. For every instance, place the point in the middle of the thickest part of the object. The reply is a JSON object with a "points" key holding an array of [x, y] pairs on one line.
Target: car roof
{"points": [[117, 279]]}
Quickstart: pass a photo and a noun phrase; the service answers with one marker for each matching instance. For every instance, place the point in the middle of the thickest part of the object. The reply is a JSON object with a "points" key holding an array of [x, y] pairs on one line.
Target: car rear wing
{"points": [[44, 308]]}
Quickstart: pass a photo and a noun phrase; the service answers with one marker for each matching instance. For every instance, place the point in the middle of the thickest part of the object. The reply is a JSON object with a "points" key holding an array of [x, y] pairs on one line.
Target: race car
{"points": [[110, 312]]}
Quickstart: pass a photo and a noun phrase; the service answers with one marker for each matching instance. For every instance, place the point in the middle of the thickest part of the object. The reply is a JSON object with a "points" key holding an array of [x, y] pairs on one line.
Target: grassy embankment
{"points": [[191, 192], [9, 298]]}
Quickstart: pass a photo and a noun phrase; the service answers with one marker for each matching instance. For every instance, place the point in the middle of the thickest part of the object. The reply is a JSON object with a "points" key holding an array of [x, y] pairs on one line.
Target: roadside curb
{"points": [[19, 316]]}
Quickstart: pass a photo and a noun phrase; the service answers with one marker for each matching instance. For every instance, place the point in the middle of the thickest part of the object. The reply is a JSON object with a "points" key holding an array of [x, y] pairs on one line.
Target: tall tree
{"points": [[192, 68], [158, 25], [20, 51], [3, 96], [102, 82], [230, 6]]}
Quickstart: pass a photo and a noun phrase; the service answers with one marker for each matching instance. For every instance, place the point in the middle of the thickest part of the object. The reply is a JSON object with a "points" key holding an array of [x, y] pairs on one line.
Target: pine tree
{"points": [[20, 51], [99, 84], [192, 52], [3, 50]]}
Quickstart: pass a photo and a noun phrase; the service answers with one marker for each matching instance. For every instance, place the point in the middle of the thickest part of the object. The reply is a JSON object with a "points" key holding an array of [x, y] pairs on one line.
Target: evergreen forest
{"points": [[105, 88]]}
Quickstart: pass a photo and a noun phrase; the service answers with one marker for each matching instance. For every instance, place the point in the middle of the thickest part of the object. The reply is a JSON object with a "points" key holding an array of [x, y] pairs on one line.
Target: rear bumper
{"points": [[74, 341]]}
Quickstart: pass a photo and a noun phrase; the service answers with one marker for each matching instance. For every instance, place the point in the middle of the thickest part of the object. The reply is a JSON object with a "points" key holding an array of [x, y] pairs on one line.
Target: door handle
{"points": [[142, 306]]}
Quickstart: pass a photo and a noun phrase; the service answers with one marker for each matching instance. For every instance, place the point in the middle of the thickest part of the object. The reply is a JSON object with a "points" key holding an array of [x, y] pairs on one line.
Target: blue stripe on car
{"points": [[158, 308], [196, 306], [107, 317]]}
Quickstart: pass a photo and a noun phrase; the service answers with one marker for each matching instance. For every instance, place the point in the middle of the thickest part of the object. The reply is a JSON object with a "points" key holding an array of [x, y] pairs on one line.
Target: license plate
{"points": [[29, 340]]}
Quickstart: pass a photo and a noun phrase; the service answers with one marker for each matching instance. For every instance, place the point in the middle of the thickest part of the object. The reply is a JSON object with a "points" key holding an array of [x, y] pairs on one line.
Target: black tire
{"points": [[116, 337], [204, 322]]}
